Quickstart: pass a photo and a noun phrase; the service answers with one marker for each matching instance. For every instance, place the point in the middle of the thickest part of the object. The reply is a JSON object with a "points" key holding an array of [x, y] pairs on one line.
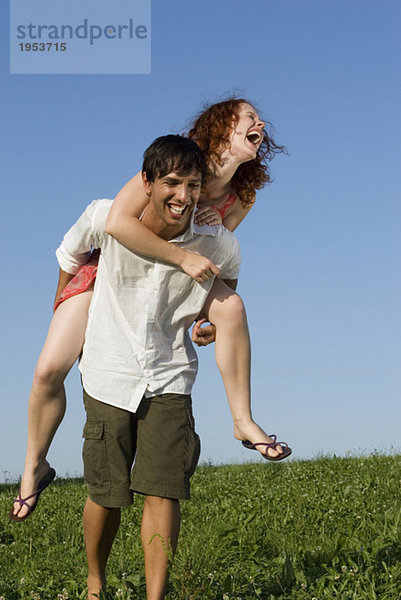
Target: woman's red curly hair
{"points": [[211, 130]]}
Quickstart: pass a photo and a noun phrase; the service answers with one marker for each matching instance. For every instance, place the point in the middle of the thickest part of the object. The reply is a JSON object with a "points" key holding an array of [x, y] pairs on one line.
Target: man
{"points": [[138, 364]]}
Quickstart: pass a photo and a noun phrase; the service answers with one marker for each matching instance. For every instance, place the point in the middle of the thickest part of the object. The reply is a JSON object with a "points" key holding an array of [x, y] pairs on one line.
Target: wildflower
{"points": [[343, 568]]}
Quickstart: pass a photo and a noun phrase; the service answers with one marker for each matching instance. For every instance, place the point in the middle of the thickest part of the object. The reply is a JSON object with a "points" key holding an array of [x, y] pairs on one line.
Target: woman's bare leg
{"points": [[225, 309], [47, 398]]}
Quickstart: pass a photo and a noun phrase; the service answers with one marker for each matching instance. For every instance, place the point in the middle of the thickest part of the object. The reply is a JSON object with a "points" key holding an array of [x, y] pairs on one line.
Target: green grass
{"points": [[326, 528]]}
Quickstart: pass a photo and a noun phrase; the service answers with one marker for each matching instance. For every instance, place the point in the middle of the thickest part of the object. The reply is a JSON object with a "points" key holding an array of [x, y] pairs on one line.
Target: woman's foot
{"points": [[251, 432], [285, 447], [29, 485]]}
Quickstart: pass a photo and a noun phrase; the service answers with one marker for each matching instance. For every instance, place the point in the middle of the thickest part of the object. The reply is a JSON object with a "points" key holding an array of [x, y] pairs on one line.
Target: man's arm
{"points": [[87, 233], [63, 279], [203, 336]]}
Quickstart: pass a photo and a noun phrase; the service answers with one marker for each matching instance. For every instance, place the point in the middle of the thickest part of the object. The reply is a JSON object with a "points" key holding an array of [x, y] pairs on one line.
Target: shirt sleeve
{"points": [[75, 249], [231, 267]]}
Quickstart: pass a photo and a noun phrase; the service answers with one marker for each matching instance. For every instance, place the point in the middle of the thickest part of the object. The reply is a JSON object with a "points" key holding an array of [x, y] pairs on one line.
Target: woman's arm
{"points": [[235, 215], [124, 225]]}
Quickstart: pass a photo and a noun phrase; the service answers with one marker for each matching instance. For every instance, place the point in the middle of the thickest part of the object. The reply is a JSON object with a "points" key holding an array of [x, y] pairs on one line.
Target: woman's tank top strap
{"points": [[228, 202]]}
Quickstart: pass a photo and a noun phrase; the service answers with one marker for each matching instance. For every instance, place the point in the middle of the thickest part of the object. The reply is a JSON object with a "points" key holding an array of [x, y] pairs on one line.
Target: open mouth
{"points": [[177, 210], [255, 137]]}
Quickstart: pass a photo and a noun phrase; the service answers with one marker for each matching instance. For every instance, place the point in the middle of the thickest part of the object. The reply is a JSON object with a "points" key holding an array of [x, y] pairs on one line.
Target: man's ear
{"points": [[146, 184]]}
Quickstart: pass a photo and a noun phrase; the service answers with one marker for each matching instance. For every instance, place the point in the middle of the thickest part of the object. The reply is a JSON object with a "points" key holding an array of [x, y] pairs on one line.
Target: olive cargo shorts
{"points": [[160, 436]]}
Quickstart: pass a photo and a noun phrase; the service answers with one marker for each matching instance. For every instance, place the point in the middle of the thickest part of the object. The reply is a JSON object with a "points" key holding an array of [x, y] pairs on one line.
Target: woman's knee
{"points": [[49, 372], [235, 307], [230, 311]]}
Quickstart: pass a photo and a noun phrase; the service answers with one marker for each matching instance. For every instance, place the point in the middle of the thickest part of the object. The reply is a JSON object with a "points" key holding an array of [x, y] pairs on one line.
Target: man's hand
{"points": [[203, 336], [198, 267]]}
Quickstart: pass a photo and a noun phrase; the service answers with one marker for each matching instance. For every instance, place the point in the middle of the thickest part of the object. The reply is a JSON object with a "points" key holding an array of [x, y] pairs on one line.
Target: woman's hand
{"points": [[198, 267], [208, 216]]}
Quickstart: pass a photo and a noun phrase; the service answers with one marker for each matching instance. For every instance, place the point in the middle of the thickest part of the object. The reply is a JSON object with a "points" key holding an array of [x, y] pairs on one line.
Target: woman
{"points": [[237, 147]]}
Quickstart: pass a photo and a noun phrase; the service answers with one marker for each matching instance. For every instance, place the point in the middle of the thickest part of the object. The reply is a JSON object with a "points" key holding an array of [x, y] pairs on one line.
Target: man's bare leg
{"points": [[100, 527], [159, 534]]}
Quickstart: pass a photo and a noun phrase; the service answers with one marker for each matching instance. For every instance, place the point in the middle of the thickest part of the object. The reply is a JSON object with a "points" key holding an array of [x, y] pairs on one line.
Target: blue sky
{"points": [[320, 247]]}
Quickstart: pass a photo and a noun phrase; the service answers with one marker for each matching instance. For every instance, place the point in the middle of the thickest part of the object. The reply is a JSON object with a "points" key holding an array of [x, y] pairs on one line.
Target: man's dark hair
{"points": [[170, 153]]}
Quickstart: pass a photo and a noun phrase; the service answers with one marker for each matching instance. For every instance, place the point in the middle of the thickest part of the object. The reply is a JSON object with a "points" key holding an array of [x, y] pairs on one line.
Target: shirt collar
{"points": [[194, 229]]}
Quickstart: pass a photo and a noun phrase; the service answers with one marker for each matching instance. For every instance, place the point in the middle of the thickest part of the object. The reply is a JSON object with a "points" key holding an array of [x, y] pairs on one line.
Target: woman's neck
{"points": [[219, 184]]}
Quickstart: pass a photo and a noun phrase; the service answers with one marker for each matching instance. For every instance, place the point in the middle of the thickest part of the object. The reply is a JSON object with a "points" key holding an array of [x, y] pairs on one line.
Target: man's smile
{"points": [[177, 210]]}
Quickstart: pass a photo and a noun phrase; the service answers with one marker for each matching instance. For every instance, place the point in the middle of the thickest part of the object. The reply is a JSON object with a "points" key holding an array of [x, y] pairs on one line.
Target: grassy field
{"points": [[326, 528]]}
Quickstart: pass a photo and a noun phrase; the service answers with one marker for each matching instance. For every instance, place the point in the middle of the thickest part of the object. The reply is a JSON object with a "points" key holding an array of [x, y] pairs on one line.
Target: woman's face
{"points": [[247, 134]]}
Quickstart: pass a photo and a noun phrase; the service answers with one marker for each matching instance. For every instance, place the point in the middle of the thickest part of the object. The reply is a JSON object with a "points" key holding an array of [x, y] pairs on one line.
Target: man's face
{"points": [[172, 201]]}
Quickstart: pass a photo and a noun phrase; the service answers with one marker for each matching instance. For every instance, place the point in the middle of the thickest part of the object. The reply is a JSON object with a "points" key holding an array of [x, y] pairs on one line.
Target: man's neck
{"points": [[153, 223]]}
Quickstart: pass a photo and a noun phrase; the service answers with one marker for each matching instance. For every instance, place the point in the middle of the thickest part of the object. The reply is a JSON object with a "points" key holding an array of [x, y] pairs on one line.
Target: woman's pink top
{"points": [[228, 202]]}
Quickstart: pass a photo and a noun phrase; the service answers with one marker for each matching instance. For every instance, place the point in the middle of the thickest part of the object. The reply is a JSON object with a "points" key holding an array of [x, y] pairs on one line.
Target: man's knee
{"points": [[159, 504]]}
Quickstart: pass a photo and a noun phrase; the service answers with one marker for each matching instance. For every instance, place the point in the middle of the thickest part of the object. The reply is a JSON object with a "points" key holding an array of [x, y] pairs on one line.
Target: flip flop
{"points": [[43, 483], [286, 449]]}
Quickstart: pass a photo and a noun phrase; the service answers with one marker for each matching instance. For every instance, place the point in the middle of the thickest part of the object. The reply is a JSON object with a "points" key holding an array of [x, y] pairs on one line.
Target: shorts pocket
{"points": [[96, 473], [193, 447]]}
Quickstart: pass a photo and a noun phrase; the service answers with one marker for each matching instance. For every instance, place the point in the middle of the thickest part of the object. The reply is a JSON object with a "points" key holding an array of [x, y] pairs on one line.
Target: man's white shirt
{"points": [[137, 340]]}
